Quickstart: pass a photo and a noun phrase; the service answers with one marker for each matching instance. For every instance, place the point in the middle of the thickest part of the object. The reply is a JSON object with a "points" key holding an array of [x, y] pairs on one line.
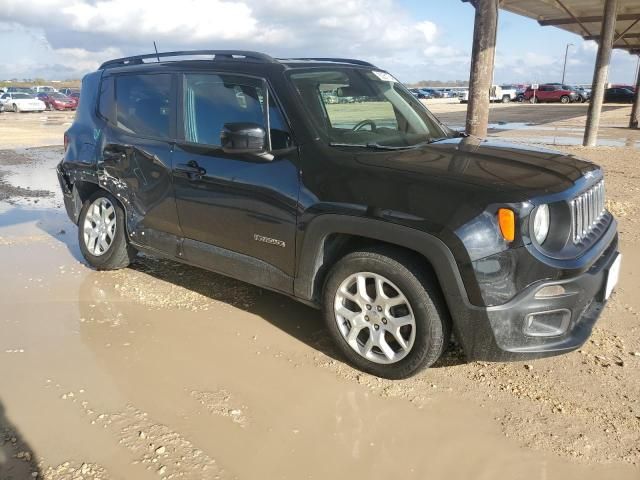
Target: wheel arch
{"points": [[81, 191], [329, 237]]}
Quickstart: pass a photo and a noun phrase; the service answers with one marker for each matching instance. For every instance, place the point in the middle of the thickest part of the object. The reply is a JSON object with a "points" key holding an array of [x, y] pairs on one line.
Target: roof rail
{"points": [[217, 55], [328, 59]]}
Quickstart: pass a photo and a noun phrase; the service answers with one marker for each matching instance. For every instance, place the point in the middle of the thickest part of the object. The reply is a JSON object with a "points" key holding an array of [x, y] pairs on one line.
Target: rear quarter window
{"points": [[143, 104]]}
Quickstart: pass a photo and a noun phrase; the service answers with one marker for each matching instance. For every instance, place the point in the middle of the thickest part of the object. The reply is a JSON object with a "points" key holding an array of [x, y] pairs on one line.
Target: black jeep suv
{"points": [[326, 180]]}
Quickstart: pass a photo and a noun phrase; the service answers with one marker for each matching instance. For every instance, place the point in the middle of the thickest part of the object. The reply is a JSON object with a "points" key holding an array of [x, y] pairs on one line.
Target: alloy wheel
{"points": [[99, 226], [375, 318]]}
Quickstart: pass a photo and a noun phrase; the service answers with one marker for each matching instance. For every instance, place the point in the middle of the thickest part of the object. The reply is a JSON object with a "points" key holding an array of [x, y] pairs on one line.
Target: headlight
{"points": [[541, 223]]}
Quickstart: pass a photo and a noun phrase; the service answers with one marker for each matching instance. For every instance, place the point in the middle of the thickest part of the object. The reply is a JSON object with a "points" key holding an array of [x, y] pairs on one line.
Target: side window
{"points": [[106, 100], [143, 104], [212, 100]]}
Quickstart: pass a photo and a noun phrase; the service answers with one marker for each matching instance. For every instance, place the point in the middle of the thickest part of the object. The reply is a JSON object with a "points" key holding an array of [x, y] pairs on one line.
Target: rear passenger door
{"points": [[237, 211], [136, 147]]}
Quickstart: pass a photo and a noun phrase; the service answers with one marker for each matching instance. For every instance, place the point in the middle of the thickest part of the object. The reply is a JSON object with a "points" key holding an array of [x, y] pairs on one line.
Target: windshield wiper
{"points": [[370, 146]]}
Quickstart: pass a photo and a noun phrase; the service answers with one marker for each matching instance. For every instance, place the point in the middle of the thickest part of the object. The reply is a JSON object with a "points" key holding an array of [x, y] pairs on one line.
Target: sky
{"points": [[413, 39]]}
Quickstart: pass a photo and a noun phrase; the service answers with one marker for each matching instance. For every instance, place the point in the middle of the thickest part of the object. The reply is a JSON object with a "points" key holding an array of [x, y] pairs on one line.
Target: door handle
{"points": [[191, 170]]}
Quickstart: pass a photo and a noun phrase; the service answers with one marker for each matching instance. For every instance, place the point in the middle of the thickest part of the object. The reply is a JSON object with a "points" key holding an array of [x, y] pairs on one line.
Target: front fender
{"points": [[311, 252]]}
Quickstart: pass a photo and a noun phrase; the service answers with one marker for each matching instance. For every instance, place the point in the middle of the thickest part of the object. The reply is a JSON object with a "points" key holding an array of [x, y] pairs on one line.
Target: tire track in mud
{"points": [[156, 446]]}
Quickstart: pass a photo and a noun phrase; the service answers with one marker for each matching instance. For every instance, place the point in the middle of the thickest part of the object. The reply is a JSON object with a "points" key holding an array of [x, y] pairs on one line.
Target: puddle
{"points": [[570, 141]]}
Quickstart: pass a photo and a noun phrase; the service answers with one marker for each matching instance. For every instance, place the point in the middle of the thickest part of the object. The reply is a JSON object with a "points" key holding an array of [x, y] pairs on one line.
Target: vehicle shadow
{"points": [[294, 318], [17, 458]]}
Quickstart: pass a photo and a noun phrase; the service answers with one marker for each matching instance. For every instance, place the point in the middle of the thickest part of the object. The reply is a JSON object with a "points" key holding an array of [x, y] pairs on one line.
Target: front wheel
{"points": [[16, 108], [506, 99], [102, 234], [533, 100], [386, 316]]}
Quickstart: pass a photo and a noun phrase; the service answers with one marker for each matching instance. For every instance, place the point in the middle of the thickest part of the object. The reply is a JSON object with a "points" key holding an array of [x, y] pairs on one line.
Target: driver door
{"points": [[237, 211]]}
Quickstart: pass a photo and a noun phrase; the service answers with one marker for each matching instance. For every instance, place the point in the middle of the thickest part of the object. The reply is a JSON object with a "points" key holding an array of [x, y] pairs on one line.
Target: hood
{"points": [[519, 172]]}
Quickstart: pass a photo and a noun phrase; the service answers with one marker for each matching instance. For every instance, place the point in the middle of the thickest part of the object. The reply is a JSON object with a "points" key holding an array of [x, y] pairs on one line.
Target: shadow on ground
{"points": [[294, 318], [17, 459]]}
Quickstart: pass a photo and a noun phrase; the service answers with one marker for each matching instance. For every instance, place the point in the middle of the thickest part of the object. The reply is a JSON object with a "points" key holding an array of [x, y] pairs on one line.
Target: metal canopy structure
{"points": [[584, 18], [611, 23]]}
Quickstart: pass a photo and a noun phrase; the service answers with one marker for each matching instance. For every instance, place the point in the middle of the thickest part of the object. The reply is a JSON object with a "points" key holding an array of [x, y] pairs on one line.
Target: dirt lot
{"points": [[166, 371]]}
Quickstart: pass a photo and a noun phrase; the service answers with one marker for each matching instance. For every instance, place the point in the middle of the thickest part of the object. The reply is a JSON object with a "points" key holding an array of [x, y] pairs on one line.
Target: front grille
{"points": [[587, 209]]}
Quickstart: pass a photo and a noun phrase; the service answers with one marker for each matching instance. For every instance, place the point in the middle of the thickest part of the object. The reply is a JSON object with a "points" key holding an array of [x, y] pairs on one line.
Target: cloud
{"points": [[66, 38], [85, 31]]}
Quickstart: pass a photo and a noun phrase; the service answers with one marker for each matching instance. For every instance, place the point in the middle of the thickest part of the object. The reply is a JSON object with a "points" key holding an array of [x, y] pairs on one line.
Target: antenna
{"points": [[156, 49]]}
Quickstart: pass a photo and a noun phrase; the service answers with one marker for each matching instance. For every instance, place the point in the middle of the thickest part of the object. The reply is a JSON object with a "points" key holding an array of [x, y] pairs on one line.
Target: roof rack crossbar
{"points": [[217, 54], [339, 60]]}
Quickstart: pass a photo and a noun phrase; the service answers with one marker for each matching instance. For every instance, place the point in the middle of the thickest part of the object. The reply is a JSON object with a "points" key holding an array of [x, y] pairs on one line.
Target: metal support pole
{"points": [[601, 72], [634, 122], [482, 58], [566, 54]]}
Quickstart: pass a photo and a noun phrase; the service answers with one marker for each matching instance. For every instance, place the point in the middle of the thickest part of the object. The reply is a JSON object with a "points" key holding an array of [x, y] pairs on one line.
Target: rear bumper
{"points": [[498, 333]]}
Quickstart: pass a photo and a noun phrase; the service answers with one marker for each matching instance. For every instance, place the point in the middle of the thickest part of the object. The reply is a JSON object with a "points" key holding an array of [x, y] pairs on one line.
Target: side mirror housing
{"points": [[243, 138]]}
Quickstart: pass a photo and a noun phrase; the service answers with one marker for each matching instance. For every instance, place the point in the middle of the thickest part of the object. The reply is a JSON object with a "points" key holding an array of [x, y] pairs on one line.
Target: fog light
{"points": [[550, 291], [547, 324]]}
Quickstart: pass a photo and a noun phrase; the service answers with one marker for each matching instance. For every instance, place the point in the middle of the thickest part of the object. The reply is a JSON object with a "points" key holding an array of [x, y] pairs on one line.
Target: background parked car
{"points": [[621, 85], [21, 102], [584, 95], [497, 93], [43, 88], [69, 91], [418, 94], [19, 89], [550, 93], [430, 92], [618, 95], [58, 101]]}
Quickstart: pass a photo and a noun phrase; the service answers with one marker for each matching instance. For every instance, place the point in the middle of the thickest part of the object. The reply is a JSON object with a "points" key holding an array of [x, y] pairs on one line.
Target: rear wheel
{"points": [[101, 233], [16, 108], [565, 99], [386, 316]]}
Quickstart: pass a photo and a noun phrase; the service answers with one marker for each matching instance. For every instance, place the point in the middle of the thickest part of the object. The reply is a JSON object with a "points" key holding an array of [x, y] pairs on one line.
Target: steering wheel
{"points": [[364, 123]]}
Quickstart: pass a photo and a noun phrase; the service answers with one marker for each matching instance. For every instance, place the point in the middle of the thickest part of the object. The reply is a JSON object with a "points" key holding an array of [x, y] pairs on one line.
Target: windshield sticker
{"points": [[384, 76]]}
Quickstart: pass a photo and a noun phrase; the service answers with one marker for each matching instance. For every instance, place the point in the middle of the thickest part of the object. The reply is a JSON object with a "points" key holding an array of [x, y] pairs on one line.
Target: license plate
{"points": [[612, 276]]}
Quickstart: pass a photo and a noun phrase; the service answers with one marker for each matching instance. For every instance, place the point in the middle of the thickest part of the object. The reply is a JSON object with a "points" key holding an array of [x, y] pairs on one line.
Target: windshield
{"points": [[358, 107], [58, 96]]}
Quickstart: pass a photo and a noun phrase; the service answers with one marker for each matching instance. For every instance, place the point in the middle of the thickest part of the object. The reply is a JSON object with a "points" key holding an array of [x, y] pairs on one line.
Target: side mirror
{"points": [[243, 138]]}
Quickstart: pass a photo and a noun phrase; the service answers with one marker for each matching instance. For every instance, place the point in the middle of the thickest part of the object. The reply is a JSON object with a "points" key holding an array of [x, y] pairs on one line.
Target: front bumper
{"points": [[498, 333]]}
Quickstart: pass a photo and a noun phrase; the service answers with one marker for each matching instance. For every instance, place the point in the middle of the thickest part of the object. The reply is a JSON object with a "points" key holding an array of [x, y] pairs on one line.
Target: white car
{"points": [[497, 93], [21, 102], [43, 88]]}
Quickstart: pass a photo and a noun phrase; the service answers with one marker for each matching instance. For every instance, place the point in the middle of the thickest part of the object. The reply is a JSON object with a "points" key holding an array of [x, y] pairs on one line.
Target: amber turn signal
{"points": [[507, 222]]}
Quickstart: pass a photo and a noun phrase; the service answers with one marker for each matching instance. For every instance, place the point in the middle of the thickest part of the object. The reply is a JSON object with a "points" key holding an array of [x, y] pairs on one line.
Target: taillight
{"points": [[66, 141]]}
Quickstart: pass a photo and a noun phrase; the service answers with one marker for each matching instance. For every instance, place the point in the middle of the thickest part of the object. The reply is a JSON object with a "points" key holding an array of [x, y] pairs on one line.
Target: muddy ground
{"points": [[166, 371]]}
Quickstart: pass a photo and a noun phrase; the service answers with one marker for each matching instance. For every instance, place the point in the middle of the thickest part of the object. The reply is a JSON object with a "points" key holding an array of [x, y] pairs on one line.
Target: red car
{"points": [[551, 93], [58, 101]]}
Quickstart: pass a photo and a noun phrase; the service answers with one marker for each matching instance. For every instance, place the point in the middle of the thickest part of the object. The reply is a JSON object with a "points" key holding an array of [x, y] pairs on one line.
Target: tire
{"points": [[506, 99], [16, 108], [424, 340], [565, 99], [118, 252], [533, 100]]}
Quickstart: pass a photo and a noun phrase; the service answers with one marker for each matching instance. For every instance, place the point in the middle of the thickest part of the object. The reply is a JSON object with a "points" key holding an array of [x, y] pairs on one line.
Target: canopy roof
{"points": [[583, 17]]}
